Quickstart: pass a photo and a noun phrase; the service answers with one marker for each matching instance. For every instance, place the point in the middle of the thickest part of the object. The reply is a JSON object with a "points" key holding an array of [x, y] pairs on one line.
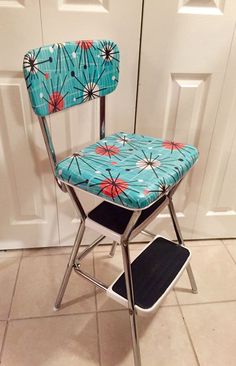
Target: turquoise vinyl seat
{"points": [[128, 169]]}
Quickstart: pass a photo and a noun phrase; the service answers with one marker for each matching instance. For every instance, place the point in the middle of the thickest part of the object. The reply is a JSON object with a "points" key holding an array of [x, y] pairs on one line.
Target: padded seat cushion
{"points": [[130, 170]]}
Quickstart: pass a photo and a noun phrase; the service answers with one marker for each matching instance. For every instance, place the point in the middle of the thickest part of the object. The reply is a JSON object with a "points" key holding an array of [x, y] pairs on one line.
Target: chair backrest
{"points": [[62, 75]]}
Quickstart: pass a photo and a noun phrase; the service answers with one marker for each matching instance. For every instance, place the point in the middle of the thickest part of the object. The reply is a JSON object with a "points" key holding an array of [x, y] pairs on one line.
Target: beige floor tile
{"points": [[213, 330], [232, 250], [35, 252], [10, 253], [107, 270], [103, 248], [107, 248], [138, 246], [2, 331], [38, 283], [200, 243], [163, 339], [231, 245], [215, 274], [229, 241], [54, 341], [8, 272]]}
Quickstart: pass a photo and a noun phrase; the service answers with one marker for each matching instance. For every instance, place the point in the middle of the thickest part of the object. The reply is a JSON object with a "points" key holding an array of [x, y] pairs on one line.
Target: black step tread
{"points": [[153, 271], [116, 218]]}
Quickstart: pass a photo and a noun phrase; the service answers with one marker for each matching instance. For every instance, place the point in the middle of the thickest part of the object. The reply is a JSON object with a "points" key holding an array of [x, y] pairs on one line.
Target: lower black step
{"points": [[154, 271]]}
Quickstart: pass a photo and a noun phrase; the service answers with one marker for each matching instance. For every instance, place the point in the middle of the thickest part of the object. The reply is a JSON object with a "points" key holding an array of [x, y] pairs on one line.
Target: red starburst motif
{"points": [[171, 145], [85, 44], [107, 150], [146, 191], [46, 76], [113, 187], [56, 102]]}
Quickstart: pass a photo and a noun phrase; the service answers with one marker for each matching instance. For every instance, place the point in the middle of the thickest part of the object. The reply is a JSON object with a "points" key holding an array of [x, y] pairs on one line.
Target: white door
{"points": [[73, 129], [185, 56], [216, 215], [35, 212], [27, 193]]}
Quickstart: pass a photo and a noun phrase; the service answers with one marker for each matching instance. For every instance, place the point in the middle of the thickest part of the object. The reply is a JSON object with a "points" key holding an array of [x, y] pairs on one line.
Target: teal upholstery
{"points": [[128, 169], [62, 75]]}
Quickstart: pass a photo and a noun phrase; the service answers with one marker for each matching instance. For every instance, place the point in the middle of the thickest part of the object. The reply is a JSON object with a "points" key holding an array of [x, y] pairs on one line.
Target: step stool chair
{"points": [[135, 175]]}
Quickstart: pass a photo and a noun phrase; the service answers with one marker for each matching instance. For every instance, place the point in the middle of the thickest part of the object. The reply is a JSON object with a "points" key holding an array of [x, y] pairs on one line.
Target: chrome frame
{"points": [[102, 117], [130, 232], [181, 242], [50, 150], [129, 286], [113, 249]]}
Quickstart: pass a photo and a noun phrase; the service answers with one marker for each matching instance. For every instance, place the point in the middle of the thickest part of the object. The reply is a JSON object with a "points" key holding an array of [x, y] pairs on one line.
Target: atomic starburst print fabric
{"points": [[62, 75], [128, 169]]}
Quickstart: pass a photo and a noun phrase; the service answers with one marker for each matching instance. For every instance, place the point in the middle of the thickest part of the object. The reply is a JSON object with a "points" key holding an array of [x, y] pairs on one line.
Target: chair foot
{"points": [[113, 249], [63, 287], [70, 266], [192, 279], [56, 308], [181, 242]]}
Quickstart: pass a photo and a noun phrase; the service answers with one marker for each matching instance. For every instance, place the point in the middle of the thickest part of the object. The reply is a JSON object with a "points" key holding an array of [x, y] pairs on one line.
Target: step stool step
{"points": [[116, 218], [155, 272]]}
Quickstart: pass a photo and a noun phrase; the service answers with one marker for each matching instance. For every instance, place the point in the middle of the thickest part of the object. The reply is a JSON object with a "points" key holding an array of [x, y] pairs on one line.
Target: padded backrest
{"points": [[62, 75]]}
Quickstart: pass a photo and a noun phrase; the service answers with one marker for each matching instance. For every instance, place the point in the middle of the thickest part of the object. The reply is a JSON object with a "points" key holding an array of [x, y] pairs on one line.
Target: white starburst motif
{"points": [[148, 163]]}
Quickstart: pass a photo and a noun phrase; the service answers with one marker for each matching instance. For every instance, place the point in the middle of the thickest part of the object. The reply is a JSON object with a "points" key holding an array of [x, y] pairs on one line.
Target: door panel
{"points": [[28, 212], [217, 207], [181, 77], [73, 129]]}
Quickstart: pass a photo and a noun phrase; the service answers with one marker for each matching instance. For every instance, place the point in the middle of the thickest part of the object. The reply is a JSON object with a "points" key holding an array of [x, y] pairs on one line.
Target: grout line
{"points": [[51, 316], [206, 239], [208, 303], [132, 246], [188, 332], [44, 255], [97, 322], [61, 315], [9, 311], [228, 251], [3, 340], [6, 251], [115, 310], [79, 313]]}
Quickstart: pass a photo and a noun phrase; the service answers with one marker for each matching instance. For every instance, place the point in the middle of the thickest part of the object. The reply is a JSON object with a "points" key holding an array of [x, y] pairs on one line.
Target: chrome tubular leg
{"points": [[70, 265], [181, 242], [148, 233], [129, 287], [131, 303], [113, 249]]}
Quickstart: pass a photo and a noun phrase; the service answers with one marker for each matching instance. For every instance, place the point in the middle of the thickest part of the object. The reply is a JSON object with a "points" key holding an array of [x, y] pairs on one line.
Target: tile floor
{"points": [[91, 329]]}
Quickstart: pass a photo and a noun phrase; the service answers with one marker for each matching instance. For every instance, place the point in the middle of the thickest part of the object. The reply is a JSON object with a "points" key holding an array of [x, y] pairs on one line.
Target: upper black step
{"points": [[116, 218]]}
